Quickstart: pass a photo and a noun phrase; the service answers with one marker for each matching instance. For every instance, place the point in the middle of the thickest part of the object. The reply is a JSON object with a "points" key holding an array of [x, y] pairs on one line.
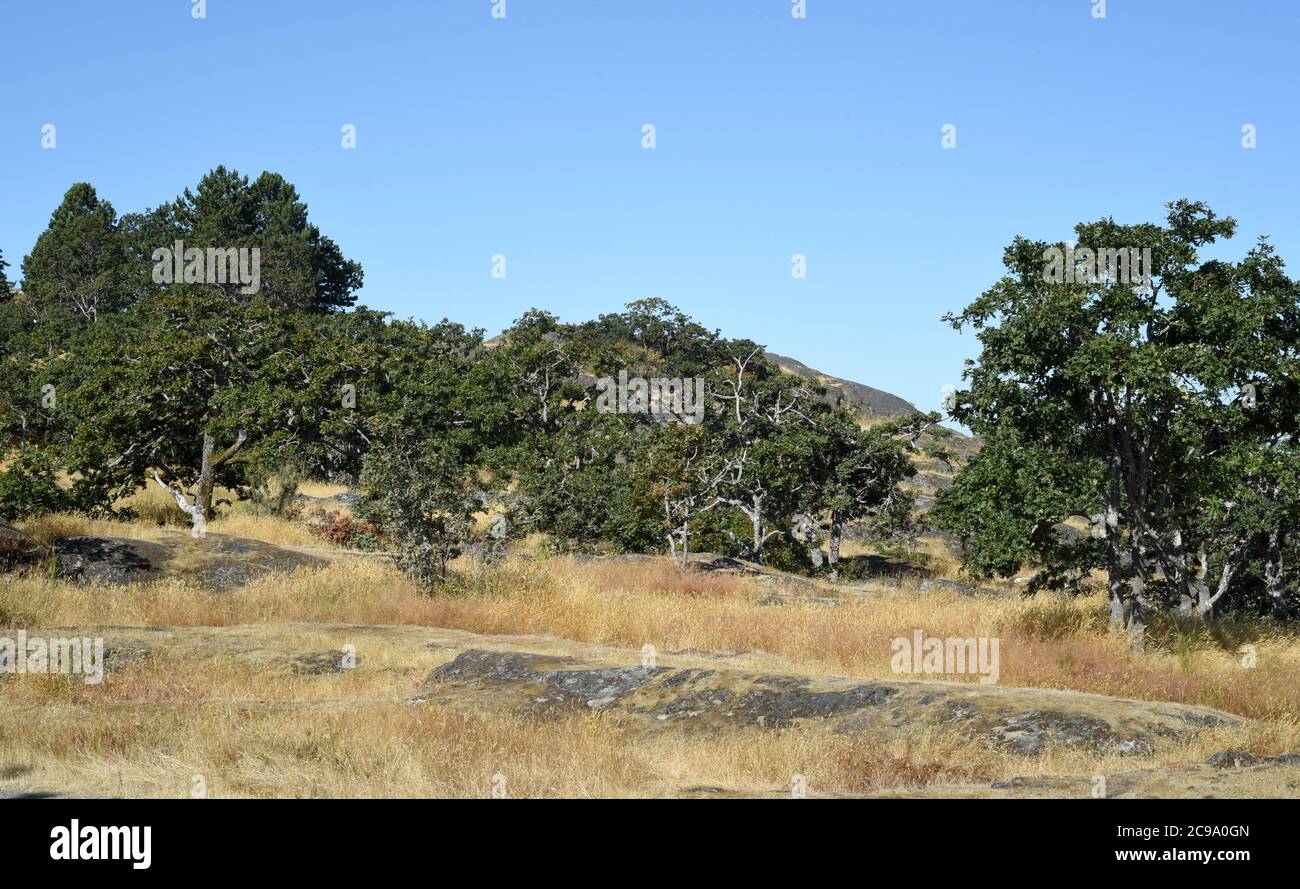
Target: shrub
{"points": [[274, 493], [342, 530], [424, 498], [29, 487]]}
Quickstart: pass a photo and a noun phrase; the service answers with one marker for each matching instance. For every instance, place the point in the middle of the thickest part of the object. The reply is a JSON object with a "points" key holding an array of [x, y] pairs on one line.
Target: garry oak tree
{"points": [[1156, 413]]}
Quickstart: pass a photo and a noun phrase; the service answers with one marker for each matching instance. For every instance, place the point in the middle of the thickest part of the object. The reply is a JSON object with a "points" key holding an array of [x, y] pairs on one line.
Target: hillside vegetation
{"points": [[331, 552]]}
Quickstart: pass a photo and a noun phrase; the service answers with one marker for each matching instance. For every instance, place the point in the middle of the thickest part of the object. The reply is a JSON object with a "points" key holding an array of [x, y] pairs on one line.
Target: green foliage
{"points": [[423, 497], [767, 449], [579, 488], [147, 392], [29, 486], [427, 421], [77, 271], [1162, 416], [6, 290], [300, 268], [863, 469], [125, 380], [274, 492]]}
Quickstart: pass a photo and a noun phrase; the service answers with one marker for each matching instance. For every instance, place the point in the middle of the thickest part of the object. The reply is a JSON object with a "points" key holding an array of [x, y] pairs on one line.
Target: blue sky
{"points": [[775, 136]]}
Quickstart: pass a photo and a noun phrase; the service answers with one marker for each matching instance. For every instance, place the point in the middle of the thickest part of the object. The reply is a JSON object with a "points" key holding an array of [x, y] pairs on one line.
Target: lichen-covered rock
{"points": [[217, 562], [1026, 721], [324, 663], [121, 657], [107, 560], [963, 589], [1236, 759], [1034, 731]]}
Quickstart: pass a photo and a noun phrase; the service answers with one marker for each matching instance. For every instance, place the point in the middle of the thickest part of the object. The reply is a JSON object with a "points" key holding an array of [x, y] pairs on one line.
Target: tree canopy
{"points": [[1159, 413]]}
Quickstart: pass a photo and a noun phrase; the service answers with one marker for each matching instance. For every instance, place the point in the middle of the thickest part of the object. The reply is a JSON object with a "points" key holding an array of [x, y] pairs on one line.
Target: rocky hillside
{"points": [[876, 404], [400, 680], [870, 402]]}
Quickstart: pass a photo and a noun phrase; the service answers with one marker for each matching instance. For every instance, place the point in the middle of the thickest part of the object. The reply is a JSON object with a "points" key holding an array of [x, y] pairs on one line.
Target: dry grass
{"points": [[270, 529], [393, 750], [389, 750], [931, 554], [365, 748], [257, 729], [237, 523], [1044, 642], [321, 489]]}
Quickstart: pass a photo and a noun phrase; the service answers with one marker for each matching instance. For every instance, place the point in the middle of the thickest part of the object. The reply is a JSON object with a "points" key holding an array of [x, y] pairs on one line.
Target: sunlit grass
{"points": [[253, 727], [1050, 642]]}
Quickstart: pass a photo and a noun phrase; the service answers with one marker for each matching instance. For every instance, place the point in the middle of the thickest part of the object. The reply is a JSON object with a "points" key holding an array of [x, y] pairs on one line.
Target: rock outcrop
{"points": [[1028, 721], [217, 562]]}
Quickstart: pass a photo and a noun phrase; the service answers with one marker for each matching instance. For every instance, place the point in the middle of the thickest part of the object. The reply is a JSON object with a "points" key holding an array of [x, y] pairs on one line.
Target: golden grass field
{"points": [[254, 728]]}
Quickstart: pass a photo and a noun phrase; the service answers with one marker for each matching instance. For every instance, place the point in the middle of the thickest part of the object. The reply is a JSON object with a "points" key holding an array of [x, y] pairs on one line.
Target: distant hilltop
{"points": [[856, 397], [846, 393]]}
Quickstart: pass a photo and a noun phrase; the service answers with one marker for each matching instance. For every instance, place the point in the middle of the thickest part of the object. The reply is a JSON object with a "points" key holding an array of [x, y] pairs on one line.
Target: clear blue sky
{"points": [[775, 136]]}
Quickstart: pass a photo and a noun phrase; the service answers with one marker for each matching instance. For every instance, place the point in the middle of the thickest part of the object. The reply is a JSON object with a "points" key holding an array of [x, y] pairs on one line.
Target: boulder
{"points": [[1236, 759], [1025, 721], [107, 560]]}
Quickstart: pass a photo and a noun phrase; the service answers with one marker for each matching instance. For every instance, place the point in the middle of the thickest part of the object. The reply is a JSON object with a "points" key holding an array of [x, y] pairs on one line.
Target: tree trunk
{"points": [[1205, 610], [1273, 576], [682, 558], [1138, 614], [198, 518], [1114, 560], [1184, 578], [203, 490], [1204, 601], [201, 509], [1139, 607], [837, 534], [1116, 604]]}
